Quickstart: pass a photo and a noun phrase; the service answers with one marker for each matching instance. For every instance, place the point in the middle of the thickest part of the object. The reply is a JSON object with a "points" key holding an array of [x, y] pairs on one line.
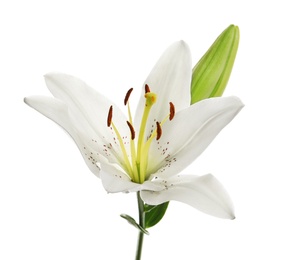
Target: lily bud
{"points": [[211, 73]]}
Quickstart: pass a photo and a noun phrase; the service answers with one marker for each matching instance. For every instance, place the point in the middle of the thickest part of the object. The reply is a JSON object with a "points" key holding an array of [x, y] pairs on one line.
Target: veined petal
{"points": [[170, 79], [189, 133], [57, 111], [204, 193], [88, 108]]}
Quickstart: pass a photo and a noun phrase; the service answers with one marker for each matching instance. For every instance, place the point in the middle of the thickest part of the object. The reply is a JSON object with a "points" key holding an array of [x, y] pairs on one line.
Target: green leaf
{"points": [[211, 73], [132, 222], [153, 214]]}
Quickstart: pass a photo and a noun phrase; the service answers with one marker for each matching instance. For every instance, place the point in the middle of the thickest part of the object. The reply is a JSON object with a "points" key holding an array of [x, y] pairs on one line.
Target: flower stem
{"points": [[142, 224]]}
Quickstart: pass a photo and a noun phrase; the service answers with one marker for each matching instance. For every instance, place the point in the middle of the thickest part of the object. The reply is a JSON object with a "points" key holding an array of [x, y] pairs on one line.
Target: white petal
{"points": [[88, 109], [115, 180], [204, 193], [58, 112], [170, 79], [189, 133]]}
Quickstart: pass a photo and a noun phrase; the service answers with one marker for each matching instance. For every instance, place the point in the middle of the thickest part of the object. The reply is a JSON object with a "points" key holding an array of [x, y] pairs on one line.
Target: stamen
{"points": [[131, 130], [126, 165], [159, 131], [127, 96], [109, 117], [147, 89], [172, 111]]}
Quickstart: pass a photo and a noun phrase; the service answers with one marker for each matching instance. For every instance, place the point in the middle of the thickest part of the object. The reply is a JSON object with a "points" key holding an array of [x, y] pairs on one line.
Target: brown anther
{"points": [[147, 89], [159, 131], [127, 96], [172, 111], [131, 130], [109, 117]]}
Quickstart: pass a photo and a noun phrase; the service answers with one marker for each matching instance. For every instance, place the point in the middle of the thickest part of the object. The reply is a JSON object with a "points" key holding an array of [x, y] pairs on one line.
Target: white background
{"points": [[52, 207]]}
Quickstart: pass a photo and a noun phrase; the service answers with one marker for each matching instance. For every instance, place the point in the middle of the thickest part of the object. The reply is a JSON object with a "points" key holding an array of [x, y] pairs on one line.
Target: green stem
{"points": [[142, 224]]}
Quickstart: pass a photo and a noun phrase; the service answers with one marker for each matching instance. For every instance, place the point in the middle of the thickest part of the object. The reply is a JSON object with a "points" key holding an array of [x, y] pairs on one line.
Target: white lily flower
{"points": [[148, 154]]}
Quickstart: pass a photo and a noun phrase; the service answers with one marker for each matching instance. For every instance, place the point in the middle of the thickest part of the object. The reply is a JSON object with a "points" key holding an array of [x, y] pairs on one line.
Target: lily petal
{"points": [[114, 180], [199, 124], [170, 79], [204, 193], [88, 108], [57, 111]]}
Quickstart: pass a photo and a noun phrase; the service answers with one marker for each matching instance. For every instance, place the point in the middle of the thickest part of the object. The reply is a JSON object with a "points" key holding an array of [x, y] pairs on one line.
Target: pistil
{"points": [[141, 162], [149, 102]]}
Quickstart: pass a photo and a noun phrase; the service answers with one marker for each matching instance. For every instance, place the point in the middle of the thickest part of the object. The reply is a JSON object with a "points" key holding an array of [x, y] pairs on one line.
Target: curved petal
{"points": [[170, 79], [114, 180], [189, 133], [57, 111], [204, 193], [88, 109]]}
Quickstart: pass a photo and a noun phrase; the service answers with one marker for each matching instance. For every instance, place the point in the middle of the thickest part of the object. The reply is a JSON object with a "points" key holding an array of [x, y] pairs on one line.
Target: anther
{"points": [[131, 130], [159, 131], [172, 111], [109, 117], [127, 96], [147, 89]]}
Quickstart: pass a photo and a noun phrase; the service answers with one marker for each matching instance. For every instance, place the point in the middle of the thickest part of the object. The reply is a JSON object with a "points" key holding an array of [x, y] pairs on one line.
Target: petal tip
{"points": [[52, 75], [49, 75], [231, 100], [57, 76], [27, 100], [182, 44], [239, 103]]}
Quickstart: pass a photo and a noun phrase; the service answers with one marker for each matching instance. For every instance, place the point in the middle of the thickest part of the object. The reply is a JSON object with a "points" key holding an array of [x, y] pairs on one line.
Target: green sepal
{"points": [[132, 222], [153, 214], [211, 73]]}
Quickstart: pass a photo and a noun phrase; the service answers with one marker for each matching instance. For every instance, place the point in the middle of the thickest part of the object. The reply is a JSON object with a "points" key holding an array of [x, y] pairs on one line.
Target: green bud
{"points": [[211, 73]]}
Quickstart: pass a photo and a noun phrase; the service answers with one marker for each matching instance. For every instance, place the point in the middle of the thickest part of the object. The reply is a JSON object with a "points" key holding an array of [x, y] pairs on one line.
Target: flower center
{"points": [[136, 166]]}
